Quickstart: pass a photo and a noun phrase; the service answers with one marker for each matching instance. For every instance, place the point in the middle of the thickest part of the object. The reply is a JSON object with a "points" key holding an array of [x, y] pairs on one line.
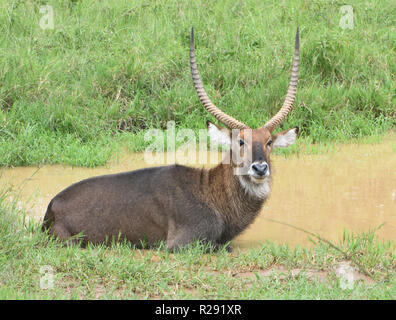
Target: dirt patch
{"points": [[343, 271], [284, 273]]}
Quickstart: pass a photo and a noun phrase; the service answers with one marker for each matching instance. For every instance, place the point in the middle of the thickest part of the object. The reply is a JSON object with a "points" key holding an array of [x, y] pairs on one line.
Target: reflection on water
{"points": [[352, 188]]}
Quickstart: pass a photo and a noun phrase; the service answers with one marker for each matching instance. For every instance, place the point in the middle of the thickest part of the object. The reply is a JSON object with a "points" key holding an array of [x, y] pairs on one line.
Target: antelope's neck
{"points": [[234, 195]]}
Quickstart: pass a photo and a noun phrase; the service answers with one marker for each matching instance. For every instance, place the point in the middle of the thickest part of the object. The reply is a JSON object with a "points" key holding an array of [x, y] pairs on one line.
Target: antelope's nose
{"points": [[260, 168]]}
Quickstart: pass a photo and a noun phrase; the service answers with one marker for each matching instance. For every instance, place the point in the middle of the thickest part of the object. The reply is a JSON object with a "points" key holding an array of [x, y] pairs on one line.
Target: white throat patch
{"points": [[257, 190]]}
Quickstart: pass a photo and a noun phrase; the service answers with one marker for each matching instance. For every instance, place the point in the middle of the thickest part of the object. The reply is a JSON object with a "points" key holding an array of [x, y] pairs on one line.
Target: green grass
{"points": [[120, 271], [111, 69]]}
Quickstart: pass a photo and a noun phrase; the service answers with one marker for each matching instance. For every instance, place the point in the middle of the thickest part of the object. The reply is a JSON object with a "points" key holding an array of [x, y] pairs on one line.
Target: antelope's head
{"points": [[251, 146]]}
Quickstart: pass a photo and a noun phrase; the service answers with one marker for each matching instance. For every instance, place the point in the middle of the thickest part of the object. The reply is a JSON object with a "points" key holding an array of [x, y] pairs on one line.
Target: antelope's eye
{"points": [[241, 142], [269, 143]]}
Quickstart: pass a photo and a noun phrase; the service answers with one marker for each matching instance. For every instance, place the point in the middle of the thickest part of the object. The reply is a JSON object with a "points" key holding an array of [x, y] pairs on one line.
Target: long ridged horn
{"points": [[224, 118], [291, 92]]}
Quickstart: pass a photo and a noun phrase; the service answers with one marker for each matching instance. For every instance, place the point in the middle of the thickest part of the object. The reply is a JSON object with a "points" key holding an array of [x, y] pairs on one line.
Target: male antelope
{"points": [[176, 203]]}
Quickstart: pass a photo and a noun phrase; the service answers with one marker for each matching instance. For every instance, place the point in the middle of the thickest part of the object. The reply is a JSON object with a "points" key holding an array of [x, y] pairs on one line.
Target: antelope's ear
{"points": [[285, 138], [218, 134]]}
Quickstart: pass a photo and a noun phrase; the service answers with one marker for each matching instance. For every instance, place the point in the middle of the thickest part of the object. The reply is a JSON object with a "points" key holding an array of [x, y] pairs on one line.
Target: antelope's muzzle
{"points": [[260, 169]]}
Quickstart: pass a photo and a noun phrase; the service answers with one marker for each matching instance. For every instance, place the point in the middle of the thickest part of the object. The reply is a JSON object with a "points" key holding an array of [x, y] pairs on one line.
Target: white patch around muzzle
{"points": [[259, 190]]}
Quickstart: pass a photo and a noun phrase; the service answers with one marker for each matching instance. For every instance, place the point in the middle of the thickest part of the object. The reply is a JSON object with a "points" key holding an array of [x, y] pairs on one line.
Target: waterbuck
{"points": [[179, 204]]}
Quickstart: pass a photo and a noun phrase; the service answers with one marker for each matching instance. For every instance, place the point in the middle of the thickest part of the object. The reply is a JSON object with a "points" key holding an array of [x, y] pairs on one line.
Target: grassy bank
{"points": [[107, 71], [269, 271]]}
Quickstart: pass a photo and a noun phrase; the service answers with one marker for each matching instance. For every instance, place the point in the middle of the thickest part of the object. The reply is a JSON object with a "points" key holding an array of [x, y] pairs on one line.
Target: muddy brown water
{"points": [[350, 187]]}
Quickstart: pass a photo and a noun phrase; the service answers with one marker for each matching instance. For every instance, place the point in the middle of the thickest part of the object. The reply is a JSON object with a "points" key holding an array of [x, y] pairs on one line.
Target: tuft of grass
{"points": [[119, 271], [107, 71]]}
